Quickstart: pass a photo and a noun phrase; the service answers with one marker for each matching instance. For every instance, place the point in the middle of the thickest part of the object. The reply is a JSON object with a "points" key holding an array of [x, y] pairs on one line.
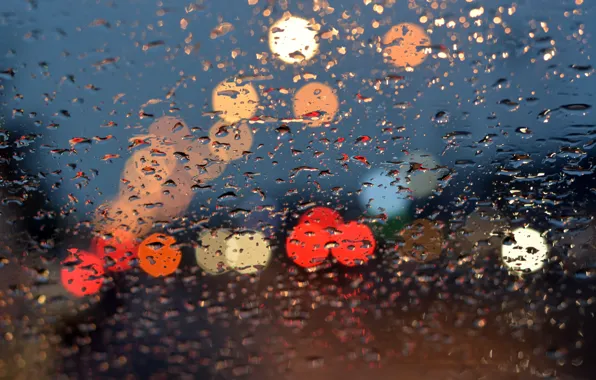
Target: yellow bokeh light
{"points": [[248, 252], [235, 102], [211, 250], [293, 39], [316, 103], [406, 45], [229, 142]]}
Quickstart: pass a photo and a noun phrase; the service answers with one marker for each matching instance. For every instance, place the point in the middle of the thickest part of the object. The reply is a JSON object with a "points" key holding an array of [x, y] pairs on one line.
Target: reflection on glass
{"points": [[211, 250], [248, 252], [527, 252], [158, 255], [234, 102], [316, 103], [293, 39], [229, 142], [406, 45]]}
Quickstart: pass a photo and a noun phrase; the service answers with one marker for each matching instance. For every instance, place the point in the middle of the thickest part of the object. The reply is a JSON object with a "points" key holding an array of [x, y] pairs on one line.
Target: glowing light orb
{"points": [[148, 169], [210, 252], [248, 252], [168, 130], [199, 162], [307, 245], [82, 273], [158, 255], [117, 249], [171, 199], [229, 142], [384, 194], [316, 103], [423, 241], [406, 45], [235, 102], [355, 244], [527, 254], [293, 39], [323, 217], [420, 174]]}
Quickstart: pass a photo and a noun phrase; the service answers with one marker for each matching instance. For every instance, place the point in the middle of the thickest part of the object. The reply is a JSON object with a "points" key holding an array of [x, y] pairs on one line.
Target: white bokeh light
{"points": [[293, 39], [527, 253]]}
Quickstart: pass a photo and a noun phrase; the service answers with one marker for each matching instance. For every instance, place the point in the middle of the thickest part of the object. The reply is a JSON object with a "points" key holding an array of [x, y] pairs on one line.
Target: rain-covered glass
{"points": [[309, 189]]}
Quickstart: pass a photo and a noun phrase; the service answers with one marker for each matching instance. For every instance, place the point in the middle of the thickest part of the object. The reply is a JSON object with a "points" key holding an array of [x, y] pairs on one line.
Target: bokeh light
{"points": [[316, 103], [384, 194], [406, 45], [421, 174], [526, 253], [210, 250], [158, 255], [82, 273], [148, 169], [323, 217], [293, 39], [423, 241], [117, 249], [229, 142], [307, 245], [248, 252], [235, 102], [168, 130], [355, 244]]}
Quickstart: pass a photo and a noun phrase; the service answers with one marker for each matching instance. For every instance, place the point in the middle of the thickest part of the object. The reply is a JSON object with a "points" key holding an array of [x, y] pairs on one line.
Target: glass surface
{"points": [[277, 189]]}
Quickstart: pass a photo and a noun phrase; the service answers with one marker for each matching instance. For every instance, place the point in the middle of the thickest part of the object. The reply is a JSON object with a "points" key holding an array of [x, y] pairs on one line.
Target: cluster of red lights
{"points": [[321, 231]]}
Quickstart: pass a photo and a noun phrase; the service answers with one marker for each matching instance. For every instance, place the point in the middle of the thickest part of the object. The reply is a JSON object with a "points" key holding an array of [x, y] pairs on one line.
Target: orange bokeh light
{"points": [[169, 130], [316, 103], [406, 45], [158, 256], [235, 102], [148, 170]]}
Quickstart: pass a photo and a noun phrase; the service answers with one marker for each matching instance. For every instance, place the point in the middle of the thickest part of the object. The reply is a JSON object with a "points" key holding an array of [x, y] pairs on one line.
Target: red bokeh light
{"points": [[322, 216], [321, 227], [82, 274], [117, 250], [355, 244], [306, 245]]}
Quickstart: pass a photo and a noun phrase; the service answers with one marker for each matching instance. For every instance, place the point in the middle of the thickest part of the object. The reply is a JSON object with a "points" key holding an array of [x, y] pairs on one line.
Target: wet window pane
{"points": [[276, 189]]}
